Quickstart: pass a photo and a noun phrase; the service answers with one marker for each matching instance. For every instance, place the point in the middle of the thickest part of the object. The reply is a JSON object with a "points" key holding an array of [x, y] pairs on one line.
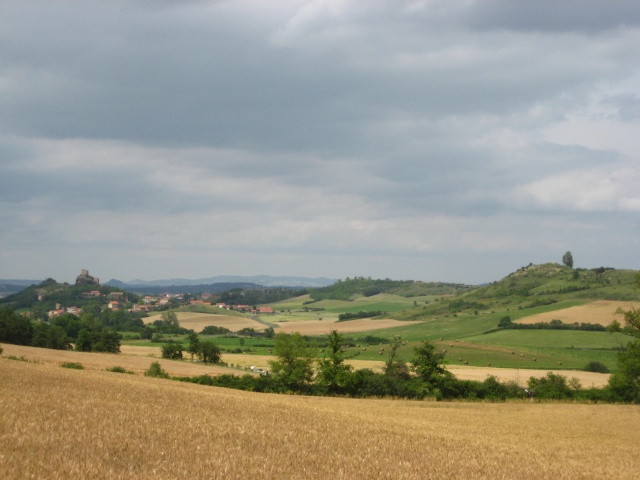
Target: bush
{"points": [[213, 330], [343, 317], [551, 387], [155, 370], [1, 350], [119, 370], [597, 367], [172, 351], [74, 365], [21, 358]]}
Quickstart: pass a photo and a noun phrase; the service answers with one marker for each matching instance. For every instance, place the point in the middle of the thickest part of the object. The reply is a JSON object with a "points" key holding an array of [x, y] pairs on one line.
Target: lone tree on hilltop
{"points": [[567, 260]]}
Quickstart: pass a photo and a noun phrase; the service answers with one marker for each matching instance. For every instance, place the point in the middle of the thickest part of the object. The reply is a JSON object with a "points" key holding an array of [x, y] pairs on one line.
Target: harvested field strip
{"points": [[324, 327], [601, 312], [197, 321], [521, 375], [102, 361], [60, 423]]}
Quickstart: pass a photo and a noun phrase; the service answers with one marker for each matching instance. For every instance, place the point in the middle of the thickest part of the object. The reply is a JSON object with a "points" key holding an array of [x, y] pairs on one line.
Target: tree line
{"points": [[299, 368], [85, 333], [507, 323]]}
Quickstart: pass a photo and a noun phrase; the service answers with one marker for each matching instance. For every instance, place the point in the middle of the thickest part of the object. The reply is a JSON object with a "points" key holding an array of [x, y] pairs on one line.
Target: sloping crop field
{"points": [[197, 321], [61, 423], [522, 376], [135, 359], [323, 327], [601, 312]]}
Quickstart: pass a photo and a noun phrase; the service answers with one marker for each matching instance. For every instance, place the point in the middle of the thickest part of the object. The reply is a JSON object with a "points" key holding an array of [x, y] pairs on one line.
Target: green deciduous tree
{"points": [[567, 260], [209, 352], [50, 336], [428, 363], [170, 317], [625, 383], [172, 351], [194, 344], [394, 367], [293, 366], [15, 328], [333, 372]]}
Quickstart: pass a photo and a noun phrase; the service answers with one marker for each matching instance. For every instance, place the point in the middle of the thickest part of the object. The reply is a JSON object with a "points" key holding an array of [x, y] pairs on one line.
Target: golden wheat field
{"points": [[136, 362], [197, 321], [602, 312], [61, 423]]}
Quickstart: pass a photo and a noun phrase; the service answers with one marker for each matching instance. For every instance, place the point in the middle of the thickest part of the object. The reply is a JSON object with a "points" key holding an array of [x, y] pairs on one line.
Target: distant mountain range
{"points": [[262, 280]]}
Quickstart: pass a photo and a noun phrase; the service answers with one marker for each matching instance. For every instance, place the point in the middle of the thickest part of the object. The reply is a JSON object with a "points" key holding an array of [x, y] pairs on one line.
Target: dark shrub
{"points": [[596, 367]]}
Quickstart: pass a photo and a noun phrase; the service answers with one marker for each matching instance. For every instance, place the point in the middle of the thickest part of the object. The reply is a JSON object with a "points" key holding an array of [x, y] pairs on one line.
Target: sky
{"points": [[425, 140]]}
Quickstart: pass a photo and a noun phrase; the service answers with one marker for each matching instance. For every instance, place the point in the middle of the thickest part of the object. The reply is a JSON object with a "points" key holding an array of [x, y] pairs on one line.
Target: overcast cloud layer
{"points": [[429, 140]]}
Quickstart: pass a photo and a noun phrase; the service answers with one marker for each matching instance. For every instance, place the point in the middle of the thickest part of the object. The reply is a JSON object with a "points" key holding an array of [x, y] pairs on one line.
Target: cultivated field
{"points": [[601, 312], [135, 359], [324, 327], [522, 376], [197, 321], [61, 423]]}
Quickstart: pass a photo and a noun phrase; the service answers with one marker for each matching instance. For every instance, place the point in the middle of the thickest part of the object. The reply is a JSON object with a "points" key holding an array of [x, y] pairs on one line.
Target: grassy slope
{"points": [[512, 296], [552, 349]]}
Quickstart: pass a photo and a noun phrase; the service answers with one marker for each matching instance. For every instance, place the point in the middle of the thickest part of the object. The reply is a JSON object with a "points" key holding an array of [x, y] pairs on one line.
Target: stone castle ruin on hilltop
{"points": [[85, 279]]}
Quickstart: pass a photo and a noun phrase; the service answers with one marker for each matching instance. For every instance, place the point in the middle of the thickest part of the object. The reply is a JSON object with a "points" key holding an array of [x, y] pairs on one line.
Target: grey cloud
{"points": [[161, 80], [293, 133], [585, 16], [626, 106]]}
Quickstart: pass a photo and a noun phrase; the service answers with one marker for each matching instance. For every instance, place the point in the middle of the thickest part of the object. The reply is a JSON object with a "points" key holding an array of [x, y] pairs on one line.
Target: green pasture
{"points": [[573, 348], [383, 301]]}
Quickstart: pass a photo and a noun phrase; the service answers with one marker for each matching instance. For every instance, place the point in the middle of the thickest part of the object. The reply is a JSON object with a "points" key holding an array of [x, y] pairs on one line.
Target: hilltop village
{"points": [[119, 300]]}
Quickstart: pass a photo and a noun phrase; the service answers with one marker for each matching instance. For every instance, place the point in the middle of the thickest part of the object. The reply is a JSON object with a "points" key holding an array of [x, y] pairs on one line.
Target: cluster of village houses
{"points": [[153, 303]]}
